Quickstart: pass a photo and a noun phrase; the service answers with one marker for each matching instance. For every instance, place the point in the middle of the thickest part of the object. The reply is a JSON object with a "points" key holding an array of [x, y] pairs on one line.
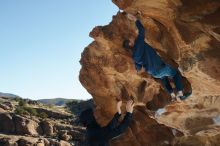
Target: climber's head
{"points": [[128, 44], [87, 117]]}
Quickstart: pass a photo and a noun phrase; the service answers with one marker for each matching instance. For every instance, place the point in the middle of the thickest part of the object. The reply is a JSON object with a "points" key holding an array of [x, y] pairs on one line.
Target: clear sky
{"points": [[41, 42]]}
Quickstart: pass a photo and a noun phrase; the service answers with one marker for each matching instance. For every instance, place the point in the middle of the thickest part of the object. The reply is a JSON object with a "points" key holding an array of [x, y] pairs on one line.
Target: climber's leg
{"points": [[179, 86], [177, 79], [168, 87], [171, 72], [163, 75]]}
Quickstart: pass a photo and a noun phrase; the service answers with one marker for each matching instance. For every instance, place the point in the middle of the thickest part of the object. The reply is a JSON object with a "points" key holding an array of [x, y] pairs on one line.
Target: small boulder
{"points": [[26, 126], [64, 143], [64, 136], [5, 107], [47, 128]]}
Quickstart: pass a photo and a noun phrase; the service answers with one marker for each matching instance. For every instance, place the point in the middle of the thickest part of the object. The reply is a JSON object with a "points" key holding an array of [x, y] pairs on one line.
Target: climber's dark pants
{"points": [[169, 72]]}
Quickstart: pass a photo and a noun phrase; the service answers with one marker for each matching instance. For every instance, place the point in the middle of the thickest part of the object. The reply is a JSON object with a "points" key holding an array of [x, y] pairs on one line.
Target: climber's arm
{"points": [[125, 123], [141, 30], [113, 123], [121, 127]]}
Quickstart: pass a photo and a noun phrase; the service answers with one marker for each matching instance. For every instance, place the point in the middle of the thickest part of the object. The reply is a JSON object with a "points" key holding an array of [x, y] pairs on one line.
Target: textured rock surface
{"points": [[26, 126], [186, 34], [47, 127], [12, 140], [29, 128]]}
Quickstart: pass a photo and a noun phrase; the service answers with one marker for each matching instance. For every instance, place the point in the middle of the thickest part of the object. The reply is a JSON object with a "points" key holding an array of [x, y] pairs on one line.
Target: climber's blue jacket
{"points": [[143, 54]]}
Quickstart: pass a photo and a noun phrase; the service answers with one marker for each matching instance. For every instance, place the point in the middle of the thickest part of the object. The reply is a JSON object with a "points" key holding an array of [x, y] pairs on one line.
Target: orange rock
{"points": [[186, 35]]}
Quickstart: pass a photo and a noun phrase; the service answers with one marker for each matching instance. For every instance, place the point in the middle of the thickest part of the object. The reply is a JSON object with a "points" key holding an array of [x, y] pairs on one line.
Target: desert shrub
{"points": [[20, 111], [24, 110], [31, 111], [17, 99], [22, 103], [43, 115]]}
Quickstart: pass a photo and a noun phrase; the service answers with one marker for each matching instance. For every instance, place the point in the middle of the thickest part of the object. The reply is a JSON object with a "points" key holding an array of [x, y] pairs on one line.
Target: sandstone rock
{"points": [[5, 107], [47, 127], [64, 143], [46, 142], [26, 126], [64, 136], [40, 142], [186, 35], [54, 142], [9, 104], [6, 123], [60, 127]]}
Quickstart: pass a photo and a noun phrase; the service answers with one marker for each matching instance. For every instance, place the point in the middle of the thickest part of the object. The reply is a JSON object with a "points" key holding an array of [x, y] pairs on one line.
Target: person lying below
{"points": [[100, 136]]}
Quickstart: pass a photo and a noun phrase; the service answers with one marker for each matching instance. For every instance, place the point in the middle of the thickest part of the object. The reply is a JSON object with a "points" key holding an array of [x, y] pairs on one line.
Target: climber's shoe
{"points": [[173, 99], [185, 96]]}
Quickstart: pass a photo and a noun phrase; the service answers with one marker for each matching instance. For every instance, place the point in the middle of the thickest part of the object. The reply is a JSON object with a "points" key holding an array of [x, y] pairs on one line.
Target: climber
{"points": [[100, 136], [146, 57]]}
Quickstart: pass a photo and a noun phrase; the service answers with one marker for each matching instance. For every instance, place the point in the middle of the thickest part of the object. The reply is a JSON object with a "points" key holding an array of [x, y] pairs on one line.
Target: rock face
{"points": [[186, 34], [47, 127], [30, 141], [26, 126]]}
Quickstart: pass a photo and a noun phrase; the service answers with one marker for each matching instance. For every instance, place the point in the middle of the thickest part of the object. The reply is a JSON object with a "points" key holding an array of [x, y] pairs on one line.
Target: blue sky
{"points": [[41, 42]]}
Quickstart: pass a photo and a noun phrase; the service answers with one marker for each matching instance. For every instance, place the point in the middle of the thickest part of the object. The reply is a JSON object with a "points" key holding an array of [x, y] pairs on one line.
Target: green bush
{"points": [[20, 111], [31, 111], [43, 115], [24, 110], [22, 103]]}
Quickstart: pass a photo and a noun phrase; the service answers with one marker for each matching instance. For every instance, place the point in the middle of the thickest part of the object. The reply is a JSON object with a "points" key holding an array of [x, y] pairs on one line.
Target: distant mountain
{"points": [[56, 101], [9, 95]]}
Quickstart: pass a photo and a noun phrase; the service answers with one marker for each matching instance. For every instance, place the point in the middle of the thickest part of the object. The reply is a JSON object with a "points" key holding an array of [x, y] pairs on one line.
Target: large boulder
{"points": [[186, 35]]}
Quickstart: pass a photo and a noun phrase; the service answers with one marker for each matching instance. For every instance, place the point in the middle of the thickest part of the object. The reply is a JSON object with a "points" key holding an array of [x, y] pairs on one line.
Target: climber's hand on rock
{"points": [[119, 104], [139, 14], [131, 17], [130, 106]]}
